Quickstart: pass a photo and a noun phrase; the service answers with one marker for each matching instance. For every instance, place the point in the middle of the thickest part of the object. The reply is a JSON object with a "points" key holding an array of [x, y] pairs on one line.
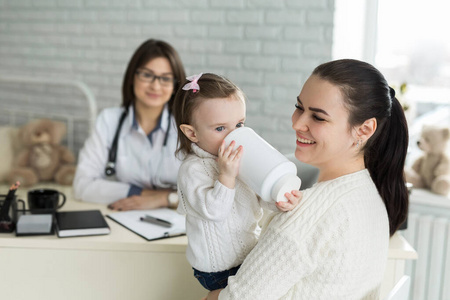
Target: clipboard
{"points": [[131, 220]]}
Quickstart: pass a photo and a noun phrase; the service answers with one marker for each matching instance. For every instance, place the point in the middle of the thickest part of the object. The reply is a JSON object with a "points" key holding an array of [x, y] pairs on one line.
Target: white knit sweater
{"points": [[221, 223], [333, 245]]}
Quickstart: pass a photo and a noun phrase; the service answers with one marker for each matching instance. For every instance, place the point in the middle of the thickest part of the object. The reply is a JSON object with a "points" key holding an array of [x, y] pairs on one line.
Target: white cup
{"points": [[263, 168]]}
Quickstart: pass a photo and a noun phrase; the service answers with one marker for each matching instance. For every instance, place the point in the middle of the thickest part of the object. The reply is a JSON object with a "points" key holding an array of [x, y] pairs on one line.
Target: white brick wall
{"points": [[266, 47]]}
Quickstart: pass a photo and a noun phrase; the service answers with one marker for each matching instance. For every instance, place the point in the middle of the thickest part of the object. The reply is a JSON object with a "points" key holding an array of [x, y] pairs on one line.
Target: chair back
{"points": [[400, 290]]}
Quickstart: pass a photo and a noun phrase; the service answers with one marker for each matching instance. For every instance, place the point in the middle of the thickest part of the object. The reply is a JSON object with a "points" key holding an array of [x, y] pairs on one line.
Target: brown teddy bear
{"points": [[432, 169], [42, 158]]}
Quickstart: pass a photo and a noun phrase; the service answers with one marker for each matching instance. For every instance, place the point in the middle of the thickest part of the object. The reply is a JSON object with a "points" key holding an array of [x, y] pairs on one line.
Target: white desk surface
{"points": [[119, 239], [122, 239]]}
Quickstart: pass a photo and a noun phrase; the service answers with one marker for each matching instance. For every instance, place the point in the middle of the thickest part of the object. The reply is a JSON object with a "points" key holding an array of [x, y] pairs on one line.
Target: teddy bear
{"points": [[41, 157], [432, 170]]}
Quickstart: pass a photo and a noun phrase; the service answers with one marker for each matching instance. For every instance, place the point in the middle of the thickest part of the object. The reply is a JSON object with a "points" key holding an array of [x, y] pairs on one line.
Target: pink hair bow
{"points": [[193, 85]]}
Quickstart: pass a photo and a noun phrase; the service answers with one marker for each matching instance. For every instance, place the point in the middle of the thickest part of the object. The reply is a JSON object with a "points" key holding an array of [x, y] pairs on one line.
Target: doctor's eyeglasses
{"points": [[146, 76]]}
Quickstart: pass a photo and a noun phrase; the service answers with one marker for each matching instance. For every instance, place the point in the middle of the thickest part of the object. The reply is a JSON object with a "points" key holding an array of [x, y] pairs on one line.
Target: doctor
{"points": [[129, 160]]}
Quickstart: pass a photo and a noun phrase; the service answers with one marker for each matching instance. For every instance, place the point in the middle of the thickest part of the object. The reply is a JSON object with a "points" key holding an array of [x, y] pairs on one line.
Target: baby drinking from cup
{"points": [[222, 212]]}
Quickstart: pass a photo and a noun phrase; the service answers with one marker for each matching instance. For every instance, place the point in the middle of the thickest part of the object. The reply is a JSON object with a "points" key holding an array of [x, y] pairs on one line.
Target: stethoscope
{"points": [[110, 168]]}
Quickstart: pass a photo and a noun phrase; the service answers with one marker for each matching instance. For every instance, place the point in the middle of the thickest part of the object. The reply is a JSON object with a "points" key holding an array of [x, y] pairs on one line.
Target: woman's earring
{"points": [[357, 144]]}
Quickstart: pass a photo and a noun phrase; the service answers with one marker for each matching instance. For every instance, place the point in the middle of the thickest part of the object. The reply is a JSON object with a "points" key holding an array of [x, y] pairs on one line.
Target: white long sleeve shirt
{"points": [[139, 162], [333, 245], [221, 223]]}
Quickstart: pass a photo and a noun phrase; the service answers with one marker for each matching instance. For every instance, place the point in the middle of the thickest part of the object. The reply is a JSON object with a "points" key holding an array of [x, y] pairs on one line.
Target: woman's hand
{"points": [[293, 198], [148, 199], [213, 295], [228, 161]]}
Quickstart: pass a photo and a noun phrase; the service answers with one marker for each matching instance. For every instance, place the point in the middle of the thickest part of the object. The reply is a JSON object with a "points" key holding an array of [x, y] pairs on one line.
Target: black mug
{"points": [[45, 200]]}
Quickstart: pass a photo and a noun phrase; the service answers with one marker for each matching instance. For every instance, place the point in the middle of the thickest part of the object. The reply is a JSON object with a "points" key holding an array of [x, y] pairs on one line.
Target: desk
{"points": [[121, 265]]}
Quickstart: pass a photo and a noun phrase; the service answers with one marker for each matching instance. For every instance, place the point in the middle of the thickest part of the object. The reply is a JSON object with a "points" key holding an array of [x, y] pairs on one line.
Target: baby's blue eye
{"points": [[221, 128], [240, 124]]}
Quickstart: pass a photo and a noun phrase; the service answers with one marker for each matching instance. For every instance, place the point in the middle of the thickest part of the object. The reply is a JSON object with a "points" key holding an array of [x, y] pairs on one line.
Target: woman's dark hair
{"points": [[147, 51], [212, 86], [368, 95]]}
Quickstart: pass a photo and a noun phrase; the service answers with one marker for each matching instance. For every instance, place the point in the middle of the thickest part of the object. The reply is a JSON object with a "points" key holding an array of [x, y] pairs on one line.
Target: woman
{"points": [[140, 170], [334, 244]]}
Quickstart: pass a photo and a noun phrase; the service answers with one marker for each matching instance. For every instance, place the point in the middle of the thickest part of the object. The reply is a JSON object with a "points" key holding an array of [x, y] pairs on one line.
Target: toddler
{"points": [[222, 212]]}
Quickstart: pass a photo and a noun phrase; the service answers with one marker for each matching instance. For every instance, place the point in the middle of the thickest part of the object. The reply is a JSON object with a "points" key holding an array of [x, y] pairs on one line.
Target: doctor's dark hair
{"points": [[212, 86], [367, 95], [147, 51]]}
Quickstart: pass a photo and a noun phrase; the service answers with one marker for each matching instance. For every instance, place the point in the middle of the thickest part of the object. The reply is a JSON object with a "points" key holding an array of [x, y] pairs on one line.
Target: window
{"points": [[413, 46], [408, 41]]}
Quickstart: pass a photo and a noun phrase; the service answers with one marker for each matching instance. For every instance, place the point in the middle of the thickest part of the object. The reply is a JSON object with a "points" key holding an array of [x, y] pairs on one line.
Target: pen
{"points": [[156, 221]]}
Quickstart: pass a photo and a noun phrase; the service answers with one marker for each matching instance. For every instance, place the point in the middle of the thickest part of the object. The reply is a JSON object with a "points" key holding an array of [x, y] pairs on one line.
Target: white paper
{"points": [[131, 220]]}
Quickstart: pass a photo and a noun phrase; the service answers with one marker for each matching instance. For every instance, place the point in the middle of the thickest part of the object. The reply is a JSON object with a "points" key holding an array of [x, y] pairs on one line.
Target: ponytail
{"points": [[384, 157], [367, 95]]}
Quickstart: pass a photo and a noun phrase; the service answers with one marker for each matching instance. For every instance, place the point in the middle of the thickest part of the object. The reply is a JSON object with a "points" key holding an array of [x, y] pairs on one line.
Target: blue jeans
{"points": [[215, 280]]}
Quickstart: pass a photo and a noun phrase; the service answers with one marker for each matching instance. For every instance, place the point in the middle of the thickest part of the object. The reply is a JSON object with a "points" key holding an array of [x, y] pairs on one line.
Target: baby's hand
{"points": [[293, 197], [228, 161]]}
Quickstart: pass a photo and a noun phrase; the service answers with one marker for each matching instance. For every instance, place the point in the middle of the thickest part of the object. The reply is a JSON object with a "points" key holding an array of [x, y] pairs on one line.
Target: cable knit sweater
{"points": [[333, 245], [221, 223]]}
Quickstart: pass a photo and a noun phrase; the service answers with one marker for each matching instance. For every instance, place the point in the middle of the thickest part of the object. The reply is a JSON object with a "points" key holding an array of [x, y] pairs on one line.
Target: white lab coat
{"points": [[138, 162]]}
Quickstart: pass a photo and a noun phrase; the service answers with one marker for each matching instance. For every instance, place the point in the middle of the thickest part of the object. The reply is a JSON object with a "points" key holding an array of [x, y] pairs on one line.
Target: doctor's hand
{"points": [[148, 199], [293, 200]]}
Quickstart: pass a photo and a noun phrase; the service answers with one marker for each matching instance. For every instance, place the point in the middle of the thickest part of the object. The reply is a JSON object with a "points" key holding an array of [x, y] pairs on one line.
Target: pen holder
{"points": [[8, 226]]}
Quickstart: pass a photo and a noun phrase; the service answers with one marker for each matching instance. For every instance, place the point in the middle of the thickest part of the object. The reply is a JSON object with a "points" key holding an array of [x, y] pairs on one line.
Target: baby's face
{"points": [[215, 119]]}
